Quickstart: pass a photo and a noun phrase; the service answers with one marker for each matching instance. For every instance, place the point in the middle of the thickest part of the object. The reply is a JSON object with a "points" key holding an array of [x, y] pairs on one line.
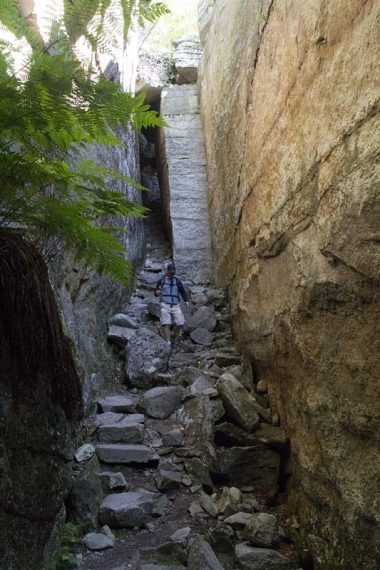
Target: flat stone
{"points": [[127, 510], [125, 453], [238, 520], [84, 452], [97, 541], [237, 401], [122, 320], [262, 530], [112, 418], [202, 337], [259, 558], [202, 556], [116, 404], [122, 432]]}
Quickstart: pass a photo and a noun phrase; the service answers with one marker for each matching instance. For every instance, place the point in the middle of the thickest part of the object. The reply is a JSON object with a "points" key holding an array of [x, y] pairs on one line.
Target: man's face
{"points": [[170, 274]]}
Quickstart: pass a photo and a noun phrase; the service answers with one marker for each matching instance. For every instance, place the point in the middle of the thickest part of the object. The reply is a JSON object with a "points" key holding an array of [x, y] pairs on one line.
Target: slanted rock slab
{"points": [[162, 401], [202, 556], [125, 453], [237, 401], [122, 320], [147, 354], [127, 510], [259, 558]]}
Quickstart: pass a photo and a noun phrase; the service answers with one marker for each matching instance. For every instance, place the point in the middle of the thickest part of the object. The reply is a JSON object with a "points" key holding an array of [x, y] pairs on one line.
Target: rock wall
{"points": [[40, 405], [290, 104], [87, 300], [184, 179]]}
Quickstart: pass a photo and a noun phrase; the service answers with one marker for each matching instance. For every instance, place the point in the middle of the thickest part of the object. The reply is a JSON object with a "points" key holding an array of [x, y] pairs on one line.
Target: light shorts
{"points": [[167, 312]]}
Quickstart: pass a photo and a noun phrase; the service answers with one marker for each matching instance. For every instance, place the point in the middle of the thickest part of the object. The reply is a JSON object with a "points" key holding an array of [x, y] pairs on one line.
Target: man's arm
{"points": [[182, 291]]}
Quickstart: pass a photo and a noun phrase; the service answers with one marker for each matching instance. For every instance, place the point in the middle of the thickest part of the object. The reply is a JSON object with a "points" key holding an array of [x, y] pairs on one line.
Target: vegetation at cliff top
{"points": [[53, 106]]}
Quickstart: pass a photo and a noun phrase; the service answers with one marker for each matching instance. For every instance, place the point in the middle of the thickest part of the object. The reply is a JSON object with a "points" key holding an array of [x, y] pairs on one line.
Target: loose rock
{"points": [[161, 402], [259, 558]]}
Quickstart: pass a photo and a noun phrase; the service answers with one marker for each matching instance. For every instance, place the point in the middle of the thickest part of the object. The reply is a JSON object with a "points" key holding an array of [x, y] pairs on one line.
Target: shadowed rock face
{"points": [[291, 115]]}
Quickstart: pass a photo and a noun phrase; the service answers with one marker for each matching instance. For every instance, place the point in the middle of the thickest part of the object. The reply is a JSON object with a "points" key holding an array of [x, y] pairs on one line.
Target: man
{"points": [[169, 288]]}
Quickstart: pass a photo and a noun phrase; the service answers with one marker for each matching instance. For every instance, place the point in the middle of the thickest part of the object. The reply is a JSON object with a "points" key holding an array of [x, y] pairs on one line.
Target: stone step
{"points": [[125, 453], [131, 509], [122, 432], [116, 404]]}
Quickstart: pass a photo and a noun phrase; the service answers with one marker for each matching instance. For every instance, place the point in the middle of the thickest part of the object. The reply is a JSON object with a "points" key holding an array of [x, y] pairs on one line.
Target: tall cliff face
{"points": [[88, 300], [290, 104]]}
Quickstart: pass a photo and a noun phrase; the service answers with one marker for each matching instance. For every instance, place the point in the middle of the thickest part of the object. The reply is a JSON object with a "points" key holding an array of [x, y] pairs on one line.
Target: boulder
{"points": [[262, 530], [202, 337], [119, 335], [86, 494], [259, 558], [162, 401], [122, 320], [203, 318], [254, 466], [125, 453], [202, 556], [147, 354], [125, 510], [237, 401], [154, 309], [97, 541]]}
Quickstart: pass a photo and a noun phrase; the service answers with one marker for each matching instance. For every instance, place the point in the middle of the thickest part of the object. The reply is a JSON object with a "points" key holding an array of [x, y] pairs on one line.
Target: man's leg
{"points": [[165, 321], [166, 331]]}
